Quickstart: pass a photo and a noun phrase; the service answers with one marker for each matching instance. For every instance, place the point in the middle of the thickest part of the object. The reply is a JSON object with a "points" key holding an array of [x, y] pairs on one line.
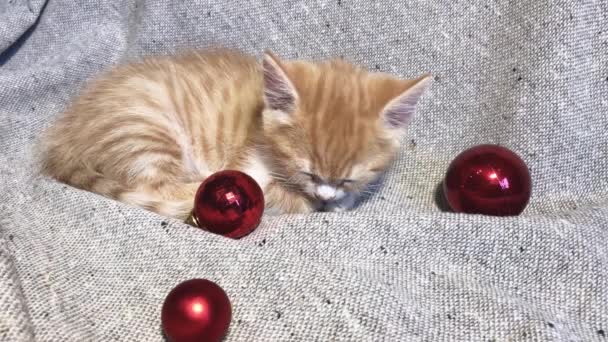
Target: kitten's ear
{"points": [[398, 113], [279, 93]]}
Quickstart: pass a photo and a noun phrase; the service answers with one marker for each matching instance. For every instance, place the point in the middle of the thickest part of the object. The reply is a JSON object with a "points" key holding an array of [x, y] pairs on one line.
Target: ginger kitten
{"points": [[312, 134]]}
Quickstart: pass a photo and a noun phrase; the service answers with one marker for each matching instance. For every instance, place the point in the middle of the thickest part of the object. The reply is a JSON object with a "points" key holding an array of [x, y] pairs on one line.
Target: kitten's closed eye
{"points": [[319, 180], [344, 182], [312, 177]]}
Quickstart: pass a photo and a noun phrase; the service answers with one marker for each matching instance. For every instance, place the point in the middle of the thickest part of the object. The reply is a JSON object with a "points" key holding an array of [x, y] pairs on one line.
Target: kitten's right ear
{"points": [[279, 93], [398, 113]]}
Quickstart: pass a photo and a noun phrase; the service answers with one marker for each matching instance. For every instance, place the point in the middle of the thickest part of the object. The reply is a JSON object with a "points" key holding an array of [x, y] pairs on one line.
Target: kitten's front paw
{"points": [[343, 205], [280, 201], [272, 211], [291, 207]]}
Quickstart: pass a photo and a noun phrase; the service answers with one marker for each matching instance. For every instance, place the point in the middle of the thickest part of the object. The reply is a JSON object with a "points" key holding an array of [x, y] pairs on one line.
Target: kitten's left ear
{"points": [[279, 93], [398, 113]]}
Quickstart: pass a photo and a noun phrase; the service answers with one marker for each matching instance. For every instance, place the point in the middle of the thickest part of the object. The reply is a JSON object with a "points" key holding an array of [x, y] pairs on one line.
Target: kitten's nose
{"points": [[326, 193]]}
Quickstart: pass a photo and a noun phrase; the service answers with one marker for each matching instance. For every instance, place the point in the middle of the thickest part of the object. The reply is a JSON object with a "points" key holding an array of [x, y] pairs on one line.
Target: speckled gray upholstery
{"points": [[530, 75]]}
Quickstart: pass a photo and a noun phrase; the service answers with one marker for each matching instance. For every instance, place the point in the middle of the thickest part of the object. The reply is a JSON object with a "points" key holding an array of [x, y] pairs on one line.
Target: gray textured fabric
{"points": [[530, 75]]}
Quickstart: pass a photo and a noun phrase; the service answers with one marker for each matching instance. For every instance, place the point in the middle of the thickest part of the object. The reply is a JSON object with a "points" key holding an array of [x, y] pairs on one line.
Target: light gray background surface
{"points": [[530, 75]]}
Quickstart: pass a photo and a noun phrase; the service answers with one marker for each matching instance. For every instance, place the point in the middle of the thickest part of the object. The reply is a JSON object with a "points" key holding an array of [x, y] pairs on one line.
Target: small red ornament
{"points": [[229, 203], [196, 310], [488, 180]]}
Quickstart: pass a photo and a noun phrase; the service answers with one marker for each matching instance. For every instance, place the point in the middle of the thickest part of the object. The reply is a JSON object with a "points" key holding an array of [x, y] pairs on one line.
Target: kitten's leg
{"points": [[280, 201]]}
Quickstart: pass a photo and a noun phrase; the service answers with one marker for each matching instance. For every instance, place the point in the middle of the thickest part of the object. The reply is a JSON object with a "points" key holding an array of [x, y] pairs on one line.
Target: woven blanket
{"points": [[528, 75]]}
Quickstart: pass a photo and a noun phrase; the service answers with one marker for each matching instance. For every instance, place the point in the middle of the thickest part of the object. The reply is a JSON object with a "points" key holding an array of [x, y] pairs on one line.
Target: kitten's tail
{"points": [[171, 198], [174, 200]]}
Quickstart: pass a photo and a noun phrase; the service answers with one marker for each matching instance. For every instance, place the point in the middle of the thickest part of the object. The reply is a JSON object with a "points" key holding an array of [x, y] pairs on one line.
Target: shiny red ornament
{"points": [[488, 180], [196, 310], [230, 203]]}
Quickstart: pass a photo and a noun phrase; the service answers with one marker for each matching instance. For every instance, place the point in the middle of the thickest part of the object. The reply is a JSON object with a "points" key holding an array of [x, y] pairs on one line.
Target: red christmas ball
{"points": [[230, 203], [488, 180], [196, 310]]}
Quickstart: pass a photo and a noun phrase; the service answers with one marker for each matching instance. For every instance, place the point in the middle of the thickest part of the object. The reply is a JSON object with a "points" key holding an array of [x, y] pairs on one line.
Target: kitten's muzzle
{"points": [[326, 193]]}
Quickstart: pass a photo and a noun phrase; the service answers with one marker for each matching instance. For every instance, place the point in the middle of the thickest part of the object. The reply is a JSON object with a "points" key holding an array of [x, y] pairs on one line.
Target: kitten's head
{"points": [[333, 128]]}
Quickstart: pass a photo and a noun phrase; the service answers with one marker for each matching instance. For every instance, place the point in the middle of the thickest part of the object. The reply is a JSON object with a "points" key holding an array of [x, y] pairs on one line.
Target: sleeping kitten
{"points": [[313, 135]]}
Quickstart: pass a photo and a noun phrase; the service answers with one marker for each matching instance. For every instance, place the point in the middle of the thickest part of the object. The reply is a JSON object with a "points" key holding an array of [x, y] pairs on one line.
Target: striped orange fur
{"points": [[312, 134]]}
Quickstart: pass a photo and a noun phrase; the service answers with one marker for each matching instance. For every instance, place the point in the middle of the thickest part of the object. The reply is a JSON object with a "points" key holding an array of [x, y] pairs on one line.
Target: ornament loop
{"points": [[191, 220]]}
